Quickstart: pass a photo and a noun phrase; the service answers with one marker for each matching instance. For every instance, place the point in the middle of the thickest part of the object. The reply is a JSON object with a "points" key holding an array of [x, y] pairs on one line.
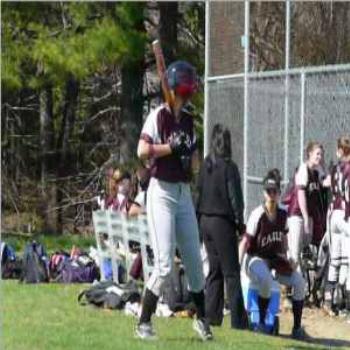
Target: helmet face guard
{"points": [[182, 78]]}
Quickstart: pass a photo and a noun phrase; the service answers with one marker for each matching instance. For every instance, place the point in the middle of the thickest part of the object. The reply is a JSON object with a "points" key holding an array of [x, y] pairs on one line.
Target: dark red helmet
{"points": [[182, 78]]}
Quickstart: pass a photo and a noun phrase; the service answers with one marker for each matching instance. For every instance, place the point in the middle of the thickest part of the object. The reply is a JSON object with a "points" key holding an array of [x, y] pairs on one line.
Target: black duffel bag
{"points": [[110, 295]]}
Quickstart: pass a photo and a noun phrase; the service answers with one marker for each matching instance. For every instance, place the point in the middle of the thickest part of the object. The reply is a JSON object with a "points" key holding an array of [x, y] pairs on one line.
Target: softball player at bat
{"points": [[305, 213], [265, 243], [168, 140], [339, 224]]}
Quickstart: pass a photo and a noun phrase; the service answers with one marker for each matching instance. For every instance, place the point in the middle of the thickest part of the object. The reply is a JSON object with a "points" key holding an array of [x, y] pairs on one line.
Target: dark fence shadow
{"points": [[326, 343]]}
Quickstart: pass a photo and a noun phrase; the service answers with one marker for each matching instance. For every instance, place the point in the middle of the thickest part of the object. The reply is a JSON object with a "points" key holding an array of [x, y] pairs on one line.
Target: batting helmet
{"points": [[182, 78]]}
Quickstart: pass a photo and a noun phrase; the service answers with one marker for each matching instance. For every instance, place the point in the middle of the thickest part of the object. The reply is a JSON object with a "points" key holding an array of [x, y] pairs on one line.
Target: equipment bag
{"points": [[11, 267], [74, 271], [56, 263], [176, 293], [110, 295], [35, 264]]}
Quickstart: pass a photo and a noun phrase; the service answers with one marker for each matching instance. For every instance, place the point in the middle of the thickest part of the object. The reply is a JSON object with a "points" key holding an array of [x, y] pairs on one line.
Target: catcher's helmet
{"points": [[182, 78]]}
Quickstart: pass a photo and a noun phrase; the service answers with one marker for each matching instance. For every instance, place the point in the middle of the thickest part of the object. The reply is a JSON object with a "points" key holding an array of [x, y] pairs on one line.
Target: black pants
{"points": [[219, 235]]}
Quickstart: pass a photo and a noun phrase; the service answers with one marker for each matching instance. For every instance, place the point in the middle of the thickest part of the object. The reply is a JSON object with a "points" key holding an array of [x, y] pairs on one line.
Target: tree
{"points": [[319, 32], [132, 101], [168, 21], [74, 91], [69, 42]]}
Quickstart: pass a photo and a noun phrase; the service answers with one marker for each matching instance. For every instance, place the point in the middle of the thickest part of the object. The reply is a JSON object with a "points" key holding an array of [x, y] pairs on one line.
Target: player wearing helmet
{"points": [[168, 141]]}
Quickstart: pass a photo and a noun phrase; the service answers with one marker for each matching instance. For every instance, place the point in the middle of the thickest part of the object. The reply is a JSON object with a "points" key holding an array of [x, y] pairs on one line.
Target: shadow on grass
{"points": [[187, 339], [324, 342]]}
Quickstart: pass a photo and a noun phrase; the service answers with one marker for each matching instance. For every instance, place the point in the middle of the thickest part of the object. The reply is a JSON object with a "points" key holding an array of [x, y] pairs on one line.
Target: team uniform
{"points": [[140, 200], [171, 216], [170, 211], [339, 225], [266, 251], [308, 180], [118, 203]]}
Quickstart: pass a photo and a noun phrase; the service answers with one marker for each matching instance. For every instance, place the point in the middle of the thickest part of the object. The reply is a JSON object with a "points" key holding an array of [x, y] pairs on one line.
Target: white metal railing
{"points": [[113, 232], [278, 73]]}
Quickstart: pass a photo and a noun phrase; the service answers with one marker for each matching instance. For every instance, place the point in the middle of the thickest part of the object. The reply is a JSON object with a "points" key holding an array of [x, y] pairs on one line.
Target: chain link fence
{"points": [[286, 108]]}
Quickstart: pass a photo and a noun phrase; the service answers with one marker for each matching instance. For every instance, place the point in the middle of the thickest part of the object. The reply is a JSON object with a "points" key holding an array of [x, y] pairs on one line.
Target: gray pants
{"points": [[172, 222], [339, 270], [260, 274]]}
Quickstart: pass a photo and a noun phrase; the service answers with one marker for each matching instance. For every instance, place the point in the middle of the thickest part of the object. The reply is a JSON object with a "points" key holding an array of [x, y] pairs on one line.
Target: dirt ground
{"points": [[322, 328]]}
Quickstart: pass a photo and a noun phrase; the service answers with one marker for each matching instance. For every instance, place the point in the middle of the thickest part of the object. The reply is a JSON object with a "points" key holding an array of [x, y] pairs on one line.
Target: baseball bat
{"points": [[161, 69]]}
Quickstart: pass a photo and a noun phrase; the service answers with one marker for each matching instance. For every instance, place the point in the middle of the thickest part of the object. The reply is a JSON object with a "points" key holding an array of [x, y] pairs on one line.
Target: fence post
{"points": [[206, 82], [302, 116], [286, 96], [245, 120]]}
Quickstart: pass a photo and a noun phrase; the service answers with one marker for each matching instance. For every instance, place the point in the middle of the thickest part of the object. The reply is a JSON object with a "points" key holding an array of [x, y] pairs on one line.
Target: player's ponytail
{"points": [[344, 145], [220, 145], [274, 174], [217, 148]]}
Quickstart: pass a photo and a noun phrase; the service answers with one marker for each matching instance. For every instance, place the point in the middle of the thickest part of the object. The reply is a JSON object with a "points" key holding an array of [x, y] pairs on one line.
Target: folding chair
{"points": [[136, 231], [100, 221], [119, 249], [146, 251]]}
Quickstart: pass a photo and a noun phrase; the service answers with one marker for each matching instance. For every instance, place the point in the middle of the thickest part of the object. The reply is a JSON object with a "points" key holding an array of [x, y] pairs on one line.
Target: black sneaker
{"points": [[202, 329], [145, 331], [299, 334]]}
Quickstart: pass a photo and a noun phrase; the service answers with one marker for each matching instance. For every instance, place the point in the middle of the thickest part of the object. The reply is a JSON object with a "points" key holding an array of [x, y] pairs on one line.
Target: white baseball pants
{"points": [[339, 270], [259, 272], [172, 222], [297, 239]]}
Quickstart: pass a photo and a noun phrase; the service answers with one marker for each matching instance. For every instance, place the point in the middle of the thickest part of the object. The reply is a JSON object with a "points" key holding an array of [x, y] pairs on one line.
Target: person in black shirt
{"points": [[220, 211]]}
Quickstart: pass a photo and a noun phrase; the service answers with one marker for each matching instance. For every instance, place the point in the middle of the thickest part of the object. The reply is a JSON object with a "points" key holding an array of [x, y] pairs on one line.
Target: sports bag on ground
{"points": [[77, 271], [56, 263], [175, 292], [35, 264], [110, 295], [11, 267]]}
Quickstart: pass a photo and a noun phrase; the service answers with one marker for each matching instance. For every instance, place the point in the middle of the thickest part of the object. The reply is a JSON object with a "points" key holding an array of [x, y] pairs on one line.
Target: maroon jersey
{"points": [[307, 180], [340, 186], [159, 127], [336, 187], [266, 236]]}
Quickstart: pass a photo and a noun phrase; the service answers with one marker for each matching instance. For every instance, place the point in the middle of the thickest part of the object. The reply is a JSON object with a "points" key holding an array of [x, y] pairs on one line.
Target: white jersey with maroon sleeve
{"points": [[266, 239], [266, 236], [308, 180], [302, 176], [160, 126]]}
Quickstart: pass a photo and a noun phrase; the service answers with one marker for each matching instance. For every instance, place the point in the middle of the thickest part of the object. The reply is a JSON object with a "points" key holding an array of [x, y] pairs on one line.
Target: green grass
{"points": [[48, 317], [51, 243]]}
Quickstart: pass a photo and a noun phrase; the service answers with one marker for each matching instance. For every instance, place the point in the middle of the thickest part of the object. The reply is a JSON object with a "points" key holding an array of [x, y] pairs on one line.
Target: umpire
{"points": [[220, 212]]}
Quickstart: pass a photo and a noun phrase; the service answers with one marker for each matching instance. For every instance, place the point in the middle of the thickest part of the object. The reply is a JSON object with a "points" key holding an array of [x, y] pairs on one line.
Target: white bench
{"points": [[119, 231]]}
